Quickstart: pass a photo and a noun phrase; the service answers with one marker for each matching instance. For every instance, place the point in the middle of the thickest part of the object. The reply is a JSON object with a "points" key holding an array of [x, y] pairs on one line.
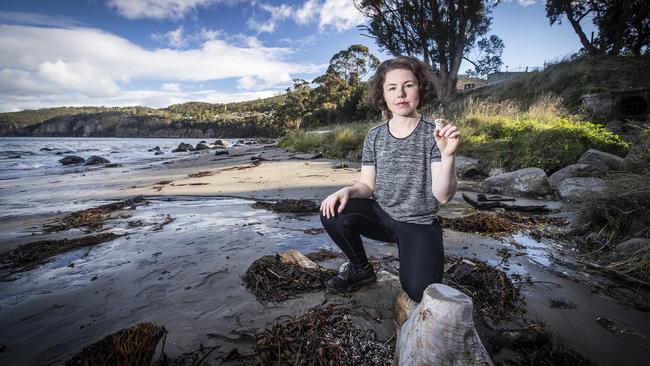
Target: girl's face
{"points": [[401, 92]]}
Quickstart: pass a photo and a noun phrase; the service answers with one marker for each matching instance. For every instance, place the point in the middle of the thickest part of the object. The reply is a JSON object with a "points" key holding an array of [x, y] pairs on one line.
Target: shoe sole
{"points": [[354, 287]]}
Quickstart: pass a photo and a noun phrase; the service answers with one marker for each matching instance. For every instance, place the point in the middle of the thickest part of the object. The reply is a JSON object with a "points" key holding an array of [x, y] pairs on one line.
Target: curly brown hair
{"points": [[421, 71]]}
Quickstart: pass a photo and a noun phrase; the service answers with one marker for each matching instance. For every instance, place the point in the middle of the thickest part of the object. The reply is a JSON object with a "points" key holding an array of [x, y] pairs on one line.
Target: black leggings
{"points": [[421, 254]]}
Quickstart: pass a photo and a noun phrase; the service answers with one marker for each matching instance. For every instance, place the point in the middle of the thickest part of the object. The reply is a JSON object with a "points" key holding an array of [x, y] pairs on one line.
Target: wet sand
{"points": [[186, 275]]}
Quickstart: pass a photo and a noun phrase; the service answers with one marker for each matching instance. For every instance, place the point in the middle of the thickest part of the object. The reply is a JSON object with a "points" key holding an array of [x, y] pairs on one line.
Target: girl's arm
{"points": [[362, 189], [443, 173], [443, 176]]}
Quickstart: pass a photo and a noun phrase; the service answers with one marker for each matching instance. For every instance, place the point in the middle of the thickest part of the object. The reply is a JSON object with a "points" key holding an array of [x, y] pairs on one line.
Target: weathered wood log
{"points": [[297, 258], [440, 331], [488, 205]]}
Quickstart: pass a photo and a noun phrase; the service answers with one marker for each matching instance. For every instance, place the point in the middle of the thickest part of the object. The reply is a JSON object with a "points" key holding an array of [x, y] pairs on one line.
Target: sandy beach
{"points": [[179, 261]]}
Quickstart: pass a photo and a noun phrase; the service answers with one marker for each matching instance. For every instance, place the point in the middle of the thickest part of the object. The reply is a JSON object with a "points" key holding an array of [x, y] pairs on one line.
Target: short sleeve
{"points": [[368, 153], [435, 153]]}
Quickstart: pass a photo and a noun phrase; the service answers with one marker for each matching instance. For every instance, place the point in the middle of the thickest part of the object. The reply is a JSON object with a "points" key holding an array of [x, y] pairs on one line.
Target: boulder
{"points": [[601, 160], [72, 159], [496, 171], [157, 148], [440, 331], [467, 167], [632, 245], [572, 171], [46, 149], [158, 153], [575, 189], [184, 147], [96, 160], [202, 146], [528, 182], [221, 152], [218, 143]]}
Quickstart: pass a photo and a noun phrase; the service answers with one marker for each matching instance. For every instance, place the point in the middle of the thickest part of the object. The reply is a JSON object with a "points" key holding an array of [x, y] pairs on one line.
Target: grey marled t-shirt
{"points": [[403, 165]]}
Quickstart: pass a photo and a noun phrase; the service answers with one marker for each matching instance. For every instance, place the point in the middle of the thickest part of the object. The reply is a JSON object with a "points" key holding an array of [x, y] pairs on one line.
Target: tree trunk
{"points": [[583, 38]]}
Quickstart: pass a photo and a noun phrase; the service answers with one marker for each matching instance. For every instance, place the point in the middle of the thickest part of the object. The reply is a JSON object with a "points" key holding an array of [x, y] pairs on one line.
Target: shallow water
{"points": [[145, 274]]}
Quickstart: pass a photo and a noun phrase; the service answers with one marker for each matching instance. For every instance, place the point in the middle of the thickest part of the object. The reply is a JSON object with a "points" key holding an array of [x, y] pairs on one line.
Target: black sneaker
{"points": [[351, 279]]}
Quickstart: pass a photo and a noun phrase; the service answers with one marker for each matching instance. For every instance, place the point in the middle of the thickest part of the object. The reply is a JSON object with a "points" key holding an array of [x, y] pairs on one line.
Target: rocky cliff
{"points": [[120, 124]]}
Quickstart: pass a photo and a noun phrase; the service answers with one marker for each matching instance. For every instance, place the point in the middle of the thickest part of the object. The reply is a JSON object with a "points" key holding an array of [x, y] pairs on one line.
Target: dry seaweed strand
{"points": [[133, 346], [288, 206], [94, 218], [483, 222], [31, 254], [205, 173], [492, 291], [271, 280], [324, 335]]}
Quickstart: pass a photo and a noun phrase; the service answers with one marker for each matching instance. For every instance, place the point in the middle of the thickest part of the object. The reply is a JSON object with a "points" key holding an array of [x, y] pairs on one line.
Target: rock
{"points": [[202, 142], [158, 153], [463, 270], [572, 171], [632, 245], [575, 189], [157, 148], [601, 160], [307, 156], [202, 146], [113, 165], [295, 257], [528, 181], [96, 160], [184, 147], [46, 149], [340, 166], [467, 167], [221, 152], [218, 143], [440, 331], [14, 157], [218, 147], [71, 159], [496, 171]]}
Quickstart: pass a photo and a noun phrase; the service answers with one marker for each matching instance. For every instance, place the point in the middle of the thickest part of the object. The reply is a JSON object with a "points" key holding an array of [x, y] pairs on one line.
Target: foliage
{"points": [[544, 136], [442, 33], [341, 142], [622, 25]]}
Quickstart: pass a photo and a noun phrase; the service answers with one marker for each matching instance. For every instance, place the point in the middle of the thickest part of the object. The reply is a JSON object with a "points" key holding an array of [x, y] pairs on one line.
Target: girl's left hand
{"points": [[447, 138]]}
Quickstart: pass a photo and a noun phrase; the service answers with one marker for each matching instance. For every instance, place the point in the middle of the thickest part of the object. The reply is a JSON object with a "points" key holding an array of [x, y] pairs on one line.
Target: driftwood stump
{"points": [[440, 331]]}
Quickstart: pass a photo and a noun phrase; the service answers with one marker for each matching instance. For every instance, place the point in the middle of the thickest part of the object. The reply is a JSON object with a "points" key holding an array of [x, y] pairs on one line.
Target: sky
{"points": [[160, 52]]}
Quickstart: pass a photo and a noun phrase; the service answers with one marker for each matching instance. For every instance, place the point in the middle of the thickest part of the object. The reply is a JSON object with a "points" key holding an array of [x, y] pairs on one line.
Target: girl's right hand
{"points": [[328, 206]]}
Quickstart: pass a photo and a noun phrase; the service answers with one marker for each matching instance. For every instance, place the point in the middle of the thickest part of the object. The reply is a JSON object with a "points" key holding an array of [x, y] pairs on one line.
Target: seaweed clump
{"points": [[94, 218], [493, 292], [34, 253], [288, 206], [482, 222], [269, 279], [321, 336], [133, 346]]}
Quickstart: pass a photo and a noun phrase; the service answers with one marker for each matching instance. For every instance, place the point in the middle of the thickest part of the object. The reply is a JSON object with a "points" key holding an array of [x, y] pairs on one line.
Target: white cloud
{"points": [[158, 9], [43, 65], [308, 12], [17, 17], [150, 98], [340, 15], [174, 38], [278, 14], [172, 87]]}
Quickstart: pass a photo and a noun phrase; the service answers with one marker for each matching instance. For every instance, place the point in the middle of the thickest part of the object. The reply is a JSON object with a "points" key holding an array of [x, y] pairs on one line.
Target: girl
{"points": [[407, 167]]}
